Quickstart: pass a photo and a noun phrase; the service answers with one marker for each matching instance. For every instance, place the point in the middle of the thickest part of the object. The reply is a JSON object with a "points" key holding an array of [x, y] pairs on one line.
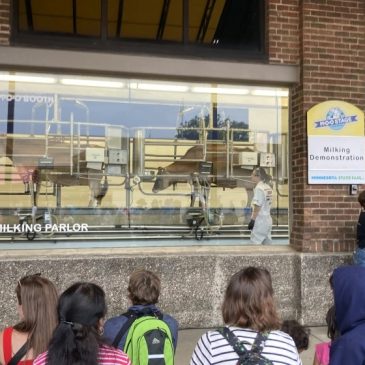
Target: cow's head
{"points": [[162, 180]]}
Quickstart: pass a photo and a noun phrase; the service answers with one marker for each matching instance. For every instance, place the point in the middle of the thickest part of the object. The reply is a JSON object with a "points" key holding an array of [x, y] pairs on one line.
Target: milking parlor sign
{"points": [[336, 144]]}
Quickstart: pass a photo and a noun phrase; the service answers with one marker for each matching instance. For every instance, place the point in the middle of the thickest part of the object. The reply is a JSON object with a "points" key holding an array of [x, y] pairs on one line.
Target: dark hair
{"points": [[263, 175], [332, 331], [38, 299], [76, 340], [249, 301], [144, 287], [361, 198], [298, 333]]}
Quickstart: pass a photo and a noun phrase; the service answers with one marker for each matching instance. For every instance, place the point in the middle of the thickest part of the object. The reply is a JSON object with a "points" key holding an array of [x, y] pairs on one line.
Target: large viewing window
{"points": [[188, 26], [98, 159]]}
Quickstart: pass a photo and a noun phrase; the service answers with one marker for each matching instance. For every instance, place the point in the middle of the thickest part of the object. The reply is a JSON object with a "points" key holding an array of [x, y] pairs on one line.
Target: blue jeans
{"points": [[359, 257]]}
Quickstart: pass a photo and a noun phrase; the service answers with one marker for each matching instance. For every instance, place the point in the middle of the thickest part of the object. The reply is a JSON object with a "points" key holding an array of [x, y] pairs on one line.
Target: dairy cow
{"points": [[181, 170]]}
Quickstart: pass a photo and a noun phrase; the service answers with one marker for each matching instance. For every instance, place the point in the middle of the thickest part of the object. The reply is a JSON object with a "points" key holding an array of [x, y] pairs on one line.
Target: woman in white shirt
{"points": [[261, 221], [249, 312]]}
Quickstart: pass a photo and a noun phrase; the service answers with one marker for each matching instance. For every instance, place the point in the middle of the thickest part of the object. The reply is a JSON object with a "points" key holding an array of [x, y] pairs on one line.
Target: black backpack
{"points": [[246, 357]]}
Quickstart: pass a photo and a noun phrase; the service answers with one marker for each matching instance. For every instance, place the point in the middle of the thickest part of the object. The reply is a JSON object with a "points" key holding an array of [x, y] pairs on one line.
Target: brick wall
{"points": [[4, 22], [332, 64], [282, 32]]}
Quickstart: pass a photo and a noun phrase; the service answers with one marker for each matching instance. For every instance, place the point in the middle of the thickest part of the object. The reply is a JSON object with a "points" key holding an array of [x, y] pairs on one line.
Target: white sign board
{"points": [[336, 160], [336, 144]]}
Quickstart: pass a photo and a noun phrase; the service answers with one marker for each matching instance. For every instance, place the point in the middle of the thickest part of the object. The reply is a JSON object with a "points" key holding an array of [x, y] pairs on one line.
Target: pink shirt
{"points": [[107, 356], [322, 353]]}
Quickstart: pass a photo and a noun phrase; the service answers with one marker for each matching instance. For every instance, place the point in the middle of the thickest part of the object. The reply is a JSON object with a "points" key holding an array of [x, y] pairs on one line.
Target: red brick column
{"points": [[282, 31], [4, 22], [332, 66]]}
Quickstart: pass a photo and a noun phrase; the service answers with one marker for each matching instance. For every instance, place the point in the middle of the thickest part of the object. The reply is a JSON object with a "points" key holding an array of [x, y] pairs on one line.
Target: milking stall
{"points": [[66, 176]]}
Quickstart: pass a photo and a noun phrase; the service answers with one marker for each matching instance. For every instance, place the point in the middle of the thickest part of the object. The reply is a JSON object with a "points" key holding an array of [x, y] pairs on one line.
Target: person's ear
{"points": [[101, 323]]}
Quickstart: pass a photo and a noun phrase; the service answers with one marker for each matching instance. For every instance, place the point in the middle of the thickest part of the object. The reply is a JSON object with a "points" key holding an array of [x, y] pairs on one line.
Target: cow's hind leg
{"points": [[97, 189]]}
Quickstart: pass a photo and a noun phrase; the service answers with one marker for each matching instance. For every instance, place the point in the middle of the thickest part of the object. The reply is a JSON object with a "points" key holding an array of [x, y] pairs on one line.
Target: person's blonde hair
{"points": [[144, 287], [38, 298], [249, 302]]}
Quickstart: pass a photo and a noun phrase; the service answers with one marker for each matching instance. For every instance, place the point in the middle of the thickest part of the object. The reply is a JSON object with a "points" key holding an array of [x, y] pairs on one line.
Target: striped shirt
{"points": [[212, 348], [107, 356]]}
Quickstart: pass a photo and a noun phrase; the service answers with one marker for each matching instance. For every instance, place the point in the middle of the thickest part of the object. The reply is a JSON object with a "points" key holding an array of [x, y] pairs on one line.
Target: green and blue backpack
{"points": [[149, 340]]}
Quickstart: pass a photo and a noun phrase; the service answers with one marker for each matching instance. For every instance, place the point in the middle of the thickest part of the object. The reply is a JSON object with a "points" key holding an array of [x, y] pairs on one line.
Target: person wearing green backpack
{"points": [[146, 334]]}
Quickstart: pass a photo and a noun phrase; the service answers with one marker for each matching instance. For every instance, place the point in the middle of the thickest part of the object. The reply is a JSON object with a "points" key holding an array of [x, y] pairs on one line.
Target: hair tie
{"points": [[68, 323]]}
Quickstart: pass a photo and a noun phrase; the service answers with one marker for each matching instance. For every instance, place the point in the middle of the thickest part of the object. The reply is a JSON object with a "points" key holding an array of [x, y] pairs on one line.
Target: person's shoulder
{"points": [[353, 338], [168, 317], [212, 335], [322, 346], [115, 320], [6, 329], [40, 359], [107, 354], [281, 336]]}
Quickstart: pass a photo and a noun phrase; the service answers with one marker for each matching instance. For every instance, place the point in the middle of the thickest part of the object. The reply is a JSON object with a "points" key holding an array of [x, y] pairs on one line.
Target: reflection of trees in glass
{"points": [[190, 129]]}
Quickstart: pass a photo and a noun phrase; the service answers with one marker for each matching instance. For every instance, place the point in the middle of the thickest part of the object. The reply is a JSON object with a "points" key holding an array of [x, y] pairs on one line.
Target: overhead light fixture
{"points": [[269, 92], [219, 90], [27, 78], [92, 83], [158, 87]]}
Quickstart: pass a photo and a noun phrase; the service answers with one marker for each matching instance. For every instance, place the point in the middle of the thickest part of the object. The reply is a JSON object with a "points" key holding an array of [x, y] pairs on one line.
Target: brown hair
{"points": [[38, 298], [249, 302], [263, 175], [144, 287], [361, 198]]}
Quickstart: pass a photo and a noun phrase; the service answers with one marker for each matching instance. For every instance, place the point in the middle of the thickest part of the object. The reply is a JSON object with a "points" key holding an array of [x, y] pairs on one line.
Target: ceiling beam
{"points": [[28, 10], [209, 7], [120, 18], [163, 18], [74, 17]]}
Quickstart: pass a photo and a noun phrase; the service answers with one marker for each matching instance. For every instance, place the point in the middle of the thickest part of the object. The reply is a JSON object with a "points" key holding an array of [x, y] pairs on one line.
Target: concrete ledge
{"points": [[13, 58], [193, 278]]}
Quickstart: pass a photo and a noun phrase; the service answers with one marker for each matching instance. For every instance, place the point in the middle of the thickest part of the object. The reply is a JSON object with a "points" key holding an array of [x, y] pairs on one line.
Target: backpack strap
{"points": [[131, 317], [18, 355], [238, 346], [259, 342]]}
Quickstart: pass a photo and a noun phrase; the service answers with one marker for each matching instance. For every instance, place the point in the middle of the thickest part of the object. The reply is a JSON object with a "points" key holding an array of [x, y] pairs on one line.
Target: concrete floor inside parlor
{"points": [[189, 337]]}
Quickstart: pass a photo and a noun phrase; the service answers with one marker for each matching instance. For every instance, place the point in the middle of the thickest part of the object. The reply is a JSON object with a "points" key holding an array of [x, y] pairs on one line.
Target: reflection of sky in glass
{"points": [[159, 117], [130, 115], [233, 114]]}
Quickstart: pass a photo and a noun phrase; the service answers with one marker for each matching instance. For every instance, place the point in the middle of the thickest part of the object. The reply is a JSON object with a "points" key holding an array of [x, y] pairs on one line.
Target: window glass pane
{"points": [[173, 30], [146, 20], [138, 158], [88, 13], [203, 20], [239, 25], [216, 24], [61, 16]]}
